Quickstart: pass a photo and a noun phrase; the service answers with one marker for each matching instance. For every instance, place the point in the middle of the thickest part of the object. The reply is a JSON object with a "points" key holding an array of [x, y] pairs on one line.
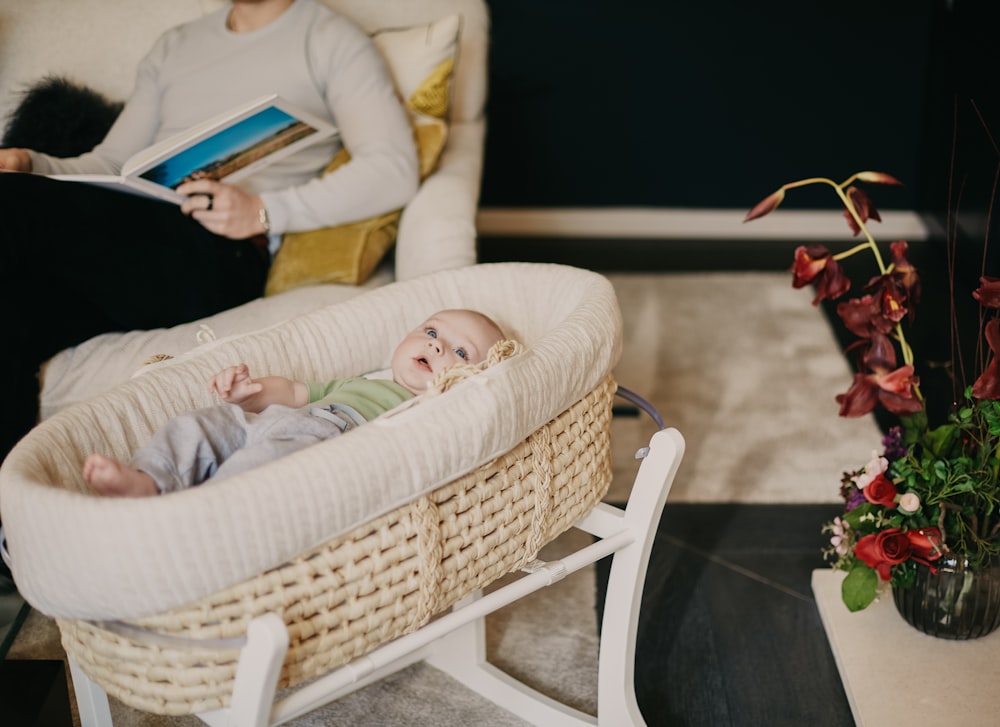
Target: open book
{"points": [[226, 148]]}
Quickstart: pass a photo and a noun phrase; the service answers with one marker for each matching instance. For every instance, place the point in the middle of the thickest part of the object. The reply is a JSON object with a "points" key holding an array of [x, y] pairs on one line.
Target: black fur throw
{"points": [[60, 117]]}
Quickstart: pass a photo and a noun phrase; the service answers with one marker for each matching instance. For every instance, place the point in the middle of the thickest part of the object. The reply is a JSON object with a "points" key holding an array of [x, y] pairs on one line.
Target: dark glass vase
{"points": [[959, 602]]}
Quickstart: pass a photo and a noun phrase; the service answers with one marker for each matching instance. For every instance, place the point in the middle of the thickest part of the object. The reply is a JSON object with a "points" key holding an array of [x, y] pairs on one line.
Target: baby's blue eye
{"points": [[461, 353], [432, 333]]}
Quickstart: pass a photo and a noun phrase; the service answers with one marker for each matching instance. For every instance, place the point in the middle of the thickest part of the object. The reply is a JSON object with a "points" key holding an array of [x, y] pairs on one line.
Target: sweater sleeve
{"points": [[133, 130], [382, 174]]}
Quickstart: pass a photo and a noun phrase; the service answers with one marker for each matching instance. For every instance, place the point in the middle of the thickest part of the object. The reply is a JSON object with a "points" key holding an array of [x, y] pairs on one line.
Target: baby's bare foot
{"points": [[112, 478]]}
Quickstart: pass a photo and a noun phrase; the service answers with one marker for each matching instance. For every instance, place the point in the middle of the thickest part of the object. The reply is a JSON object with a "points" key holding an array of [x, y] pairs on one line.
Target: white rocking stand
{"points": [[455, 643]]}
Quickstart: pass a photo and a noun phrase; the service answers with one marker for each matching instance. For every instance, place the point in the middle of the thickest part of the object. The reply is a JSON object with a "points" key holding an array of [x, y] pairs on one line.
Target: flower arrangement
{"points": [[931, 491]]}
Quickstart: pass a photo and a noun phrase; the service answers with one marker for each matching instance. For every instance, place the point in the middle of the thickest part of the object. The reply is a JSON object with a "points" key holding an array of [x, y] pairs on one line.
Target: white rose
{"points": [[909, 503]]}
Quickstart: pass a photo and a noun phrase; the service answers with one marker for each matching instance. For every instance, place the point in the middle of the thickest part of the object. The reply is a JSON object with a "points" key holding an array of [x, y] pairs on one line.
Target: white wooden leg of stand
{"points": [[616, 699], [462, 653], [257, 672], [91, 700]]}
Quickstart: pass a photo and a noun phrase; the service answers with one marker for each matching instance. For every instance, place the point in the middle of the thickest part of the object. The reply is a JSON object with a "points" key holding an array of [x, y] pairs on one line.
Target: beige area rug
{"points": [[747, 370]]}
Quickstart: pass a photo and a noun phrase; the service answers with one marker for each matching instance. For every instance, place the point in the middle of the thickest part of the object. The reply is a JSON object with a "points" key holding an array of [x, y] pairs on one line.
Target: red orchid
{"points": [[893, 302], [809, 262], [892, 298], [878, 178], [905, 273], [864, 317], [894, 388], [766, 205], [869, 390], [815, 264], [987, 386], [863, 206], [988, 292], [889, 298]]}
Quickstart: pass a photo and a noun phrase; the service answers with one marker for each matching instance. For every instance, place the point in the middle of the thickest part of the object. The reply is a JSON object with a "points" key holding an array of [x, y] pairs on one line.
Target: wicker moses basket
{"points": [[352, 543]]}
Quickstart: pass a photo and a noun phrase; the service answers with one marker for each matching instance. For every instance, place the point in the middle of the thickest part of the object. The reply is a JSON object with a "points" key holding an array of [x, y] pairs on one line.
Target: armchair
{"points": [[436, 230]]}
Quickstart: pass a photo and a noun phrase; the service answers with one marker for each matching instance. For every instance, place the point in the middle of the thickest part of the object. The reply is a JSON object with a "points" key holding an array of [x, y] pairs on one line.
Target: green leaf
{"points": [[858, 588], [853, 518], [913, 426], [903, 574], [940, 440]]}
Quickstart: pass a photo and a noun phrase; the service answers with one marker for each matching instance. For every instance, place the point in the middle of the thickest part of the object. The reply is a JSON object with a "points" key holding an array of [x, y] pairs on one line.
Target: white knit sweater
{"points": [[311, 56]]}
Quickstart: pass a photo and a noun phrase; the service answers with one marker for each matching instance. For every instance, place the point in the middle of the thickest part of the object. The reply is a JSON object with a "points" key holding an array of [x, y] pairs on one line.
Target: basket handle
{"points": [[4, 555], [634, 398]]}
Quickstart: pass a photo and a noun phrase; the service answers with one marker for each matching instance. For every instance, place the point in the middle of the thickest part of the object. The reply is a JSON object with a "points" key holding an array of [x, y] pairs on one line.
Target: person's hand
{"points": [[222, 208], [234, 385], [15, 160]]}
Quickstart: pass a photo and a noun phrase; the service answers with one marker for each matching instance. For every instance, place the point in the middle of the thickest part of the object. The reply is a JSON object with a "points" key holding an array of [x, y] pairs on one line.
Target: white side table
{"points": [[896, 675]]}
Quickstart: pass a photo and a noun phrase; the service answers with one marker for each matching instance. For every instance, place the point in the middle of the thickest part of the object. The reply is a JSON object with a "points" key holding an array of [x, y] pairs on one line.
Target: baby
{"points": [[285, 415]]}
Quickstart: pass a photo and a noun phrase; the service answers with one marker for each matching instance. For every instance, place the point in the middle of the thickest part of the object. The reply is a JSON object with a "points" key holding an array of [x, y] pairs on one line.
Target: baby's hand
{"points": [[234, 385]]}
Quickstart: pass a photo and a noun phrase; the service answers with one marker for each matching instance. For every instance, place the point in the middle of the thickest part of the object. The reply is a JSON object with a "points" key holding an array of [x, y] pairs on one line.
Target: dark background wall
{"points": [[711, 104], [959, 176], [714, 104]]}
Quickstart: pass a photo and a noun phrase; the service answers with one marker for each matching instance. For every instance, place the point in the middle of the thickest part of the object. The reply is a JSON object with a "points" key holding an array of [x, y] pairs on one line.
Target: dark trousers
{"points": [[78, 260]]}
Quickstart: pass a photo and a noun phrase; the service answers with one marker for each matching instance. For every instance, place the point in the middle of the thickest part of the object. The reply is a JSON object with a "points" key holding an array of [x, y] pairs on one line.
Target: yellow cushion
{"points": [[421, 60]]}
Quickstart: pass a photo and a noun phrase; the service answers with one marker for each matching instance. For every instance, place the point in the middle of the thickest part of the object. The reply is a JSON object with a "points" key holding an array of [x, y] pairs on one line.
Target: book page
{"points": [[229, 147], [225, 148], [123, 184]]}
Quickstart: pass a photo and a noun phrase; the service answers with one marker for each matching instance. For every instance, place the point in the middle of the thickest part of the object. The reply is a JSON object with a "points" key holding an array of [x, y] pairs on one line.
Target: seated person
{"points": [[103, 261], [273, 416]]}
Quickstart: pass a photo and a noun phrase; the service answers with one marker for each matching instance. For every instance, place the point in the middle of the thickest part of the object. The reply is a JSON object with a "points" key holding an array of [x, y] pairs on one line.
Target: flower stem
{"points": [[839, 189], [853, 251], [869, 243]]}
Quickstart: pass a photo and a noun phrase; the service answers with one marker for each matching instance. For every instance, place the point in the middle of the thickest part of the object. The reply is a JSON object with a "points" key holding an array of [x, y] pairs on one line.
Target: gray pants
{"points": [[223, 440]]}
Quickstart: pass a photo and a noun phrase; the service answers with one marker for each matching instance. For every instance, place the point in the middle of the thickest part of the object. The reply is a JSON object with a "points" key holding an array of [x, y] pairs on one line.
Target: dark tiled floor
{"points": [[729, 632], [34, 694]]}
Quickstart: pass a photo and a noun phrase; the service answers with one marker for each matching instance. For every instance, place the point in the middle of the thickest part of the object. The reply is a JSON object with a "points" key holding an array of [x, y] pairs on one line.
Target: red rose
{"points": [[925, 545], [881, 491], [883, 550]]}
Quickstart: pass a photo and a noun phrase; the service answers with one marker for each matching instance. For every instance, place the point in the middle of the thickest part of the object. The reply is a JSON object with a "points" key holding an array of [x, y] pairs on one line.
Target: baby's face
{"points": [[447, 338]]}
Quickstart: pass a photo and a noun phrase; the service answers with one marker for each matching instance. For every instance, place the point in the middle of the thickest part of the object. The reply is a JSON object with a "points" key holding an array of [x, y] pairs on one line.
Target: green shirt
{"points": [[368, 397]]}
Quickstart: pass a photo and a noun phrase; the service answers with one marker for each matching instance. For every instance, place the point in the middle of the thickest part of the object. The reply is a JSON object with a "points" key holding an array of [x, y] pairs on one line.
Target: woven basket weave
{"points": [[382, 580]]}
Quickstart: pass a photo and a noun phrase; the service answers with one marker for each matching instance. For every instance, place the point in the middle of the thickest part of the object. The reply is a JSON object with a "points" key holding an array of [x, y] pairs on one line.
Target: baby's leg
{"points": [[278, 432], [110, 477], [189, 448]]}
